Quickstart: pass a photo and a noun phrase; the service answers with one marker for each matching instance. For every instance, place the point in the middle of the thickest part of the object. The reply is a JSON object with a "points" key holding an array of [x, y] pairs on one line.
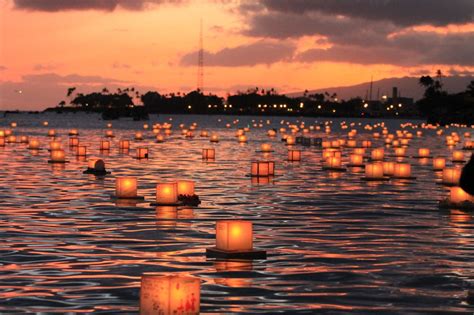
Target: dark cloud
{"points": [[407, 49], [103, 5], [399, 12], [261, 52]]}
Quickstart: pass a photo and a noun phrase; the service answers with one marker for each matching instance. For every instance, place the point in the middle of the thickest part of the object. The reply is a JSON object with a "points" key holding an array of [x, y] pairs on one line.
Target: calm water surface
{"points": [[336, 244]]}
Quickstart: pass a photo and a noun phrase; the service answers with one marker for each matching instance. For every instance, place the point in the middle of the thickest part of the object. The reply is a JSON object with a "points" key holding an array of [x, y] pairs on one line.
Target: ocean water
{"points": [[336, 244]]}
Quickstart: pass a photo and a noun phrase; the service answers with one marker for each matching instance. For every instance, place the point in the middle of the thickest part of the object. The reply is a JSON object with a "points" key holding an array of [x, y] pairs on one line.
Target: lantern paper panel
{"points": [[234, 235]]}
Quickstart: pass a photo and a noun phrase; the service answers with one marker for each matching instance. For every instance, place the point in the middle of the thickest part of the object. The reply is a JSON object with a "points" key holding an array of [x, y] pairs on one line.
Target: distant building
{"points": [[390, 106]]}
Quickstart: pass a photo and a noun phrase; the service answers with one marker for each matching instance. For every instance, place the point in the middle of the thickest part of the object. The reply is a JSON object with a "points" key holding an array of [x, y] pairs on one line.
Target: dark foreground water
{"points": [[336, 244]]}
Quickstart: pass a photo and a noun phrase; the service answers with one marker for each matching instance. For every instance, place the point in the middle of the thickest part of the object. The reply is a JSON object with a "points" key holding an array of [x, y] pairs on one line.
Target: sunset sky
{"points": [[291, 45]]}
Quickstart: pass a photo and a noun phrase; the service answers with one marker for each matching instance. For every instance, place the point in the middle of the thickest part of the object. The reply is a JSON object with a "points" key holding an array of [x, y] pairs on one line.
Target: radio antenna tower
{"points": [[200, 74]]}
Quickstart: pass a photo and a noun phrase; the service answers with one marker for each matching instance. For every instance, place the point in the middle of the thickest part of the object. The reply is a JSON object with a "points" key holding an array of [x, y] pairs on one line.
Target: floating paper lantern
{"points": [[208, 154], [124, 144], [271, 133], [290, 140], [51, 133], [294, 155], [55, 145], [138, 136], [169, 295], [7, 132], [11, 139], [234, 235], [13, 124], [423, 152], [377, 154], [45, 123], [204, 133], [402, 170], [73, 132], [262, 168], [450, 142], [185, 187], [166, 193], [214, 138], [58, 156], [332, 162], [388, 168], [400, 152], [404, 142], [458, 156], [142, 153], [81, 150], [168, 132], [73, 142], [266, 147], [439, 164], [374, 171], [458, 195], [160, 138], [451, 176], [24, 139], [189, 134], [356, 160], [104, 145], [351, 143], [33, 144], [126, 187], [2, 141], [360, 151], [366, 144], [326, 144], [242, 139], [109, 134], [109, 125]]}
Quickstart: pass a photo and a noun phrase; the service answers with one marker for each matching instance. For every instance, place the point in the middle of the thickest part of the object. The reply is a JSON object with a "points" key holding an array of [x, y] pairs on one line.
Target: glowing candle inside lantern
{"points": [[402, 170], [234, 235], [208, 154], [423, 152], [356, 160], [260, 168], [126, 187], [73, 142], [451, 175], [33, 144], [166, 193], [186, 187], [81, 150], [104, 145], [458, 156], [124, 144], [374, 170], [400, 152], [377, 154], [266, 147], [439, 164], [294, 155], [58, 155], [142, 153], [457, 195], [169, 295]]}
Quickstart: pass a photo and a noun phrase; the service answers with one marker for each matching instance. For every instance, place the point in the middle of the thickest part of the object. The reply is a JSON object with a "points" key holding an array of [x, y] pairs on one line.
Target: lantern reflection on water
{"points": [[169, 295], [166, 193], [81, 150]]}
